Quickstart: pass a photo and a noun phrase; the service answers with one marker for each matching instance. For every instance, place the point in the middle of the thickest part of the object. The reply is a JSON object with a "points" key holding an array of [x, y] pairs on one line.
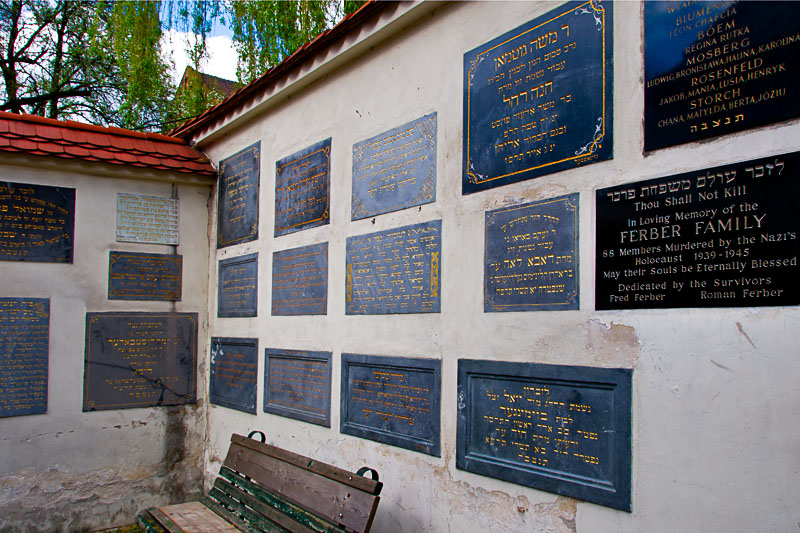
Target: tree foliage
{"points": [[101, 61]]}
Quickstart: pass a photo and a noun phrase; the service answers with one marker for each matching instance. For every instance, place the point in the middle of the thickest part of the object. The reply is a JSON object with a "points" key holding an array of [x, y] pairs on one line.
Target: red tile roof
{"points": [[298, 58], [34, 135]]}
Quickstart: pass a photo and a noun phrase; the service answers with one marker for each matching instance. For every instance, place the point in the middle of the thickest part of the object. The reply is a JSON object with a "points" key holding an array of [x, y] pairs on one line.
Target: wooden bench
{"points": [[265, 488]]}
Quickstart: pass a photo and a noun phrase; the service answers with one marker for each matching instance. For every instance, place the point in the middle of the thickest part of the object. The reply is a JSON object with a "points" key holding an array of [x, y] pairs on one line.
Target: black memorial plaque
{"points": [[394, 400], [139, 360], [300, 281], [140, 276], [24, 355], [531, 256], [563, 429], [37, 223], [396, 169], [234, 373], [394, 271], [538, 99], [718, 237], [237, 289], [302, 189], [297, 384], [237, 210], [713, 68]]}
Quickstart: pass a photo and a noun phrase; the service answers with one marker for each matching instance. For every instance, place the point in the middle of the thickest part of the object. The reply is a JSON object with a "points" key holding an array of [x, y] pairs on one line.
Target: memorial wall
{"points": [[103, 309], [538, 272]]}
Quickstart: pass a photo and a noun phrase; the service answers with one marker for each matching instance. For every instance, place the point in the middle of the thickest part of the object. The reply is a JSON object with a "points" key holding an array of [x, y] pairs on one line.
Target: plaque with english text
{"points": [[718, 237], [139, 360], [234, 373], [237, 286], [538, 99], [24, 355], [302, 189], [394, 400], [396, 169], [148, 219], [141, 276], [298, 385], [37, 223], [300, 281], [563, 429], [713, 68], [394, 271], [237, 208], [531, 256]]}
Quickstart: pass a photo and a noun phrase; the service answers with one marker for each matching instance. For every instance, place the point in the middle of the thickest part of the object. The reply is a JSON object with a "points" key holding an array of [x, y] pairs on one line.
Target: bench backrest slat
{"points": [[300, 481], [322, 469], [282, 513]]}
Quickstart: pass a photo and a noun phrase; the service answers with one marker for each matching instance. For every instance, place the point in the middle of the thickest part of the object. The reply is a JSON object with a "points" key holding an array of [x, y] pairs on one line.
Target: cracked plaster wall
{"points": [[715, 438], [70, 471]]}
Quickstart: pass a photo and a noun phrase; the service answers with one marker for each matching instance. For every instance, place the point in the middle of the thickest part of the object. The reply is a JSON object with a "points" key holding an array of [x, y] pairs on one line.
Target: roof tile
{"points": [[40, 136]]}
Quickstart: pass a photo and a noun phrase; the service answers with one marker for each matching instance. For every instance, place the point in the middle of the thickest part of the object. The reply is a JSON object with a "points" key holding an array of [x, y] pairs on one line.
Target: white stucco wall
{"points": [[69, 470], [715, 439]]}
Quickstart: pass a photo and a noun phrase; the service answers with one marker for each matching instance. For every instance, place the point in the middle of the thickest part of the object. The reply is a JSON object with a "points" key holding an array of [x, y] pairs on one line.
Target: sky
{"points": [[222, 56]]}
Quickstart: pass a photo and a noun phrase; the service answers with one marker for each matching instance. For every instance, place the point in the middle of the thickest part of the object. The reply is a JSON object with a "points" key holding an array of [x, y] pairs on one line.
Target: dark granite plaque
{"points": [[563, 429], [139, 360], [298, 385], [237, 290], [300, 281], [396, 169], [237, 209], [302, 189], [394, 400], [234, 373], [24, 349], [718, 237], [531, 256], [138, 276], [37, 223], [394, 271], [713, 68], [538, 99]]}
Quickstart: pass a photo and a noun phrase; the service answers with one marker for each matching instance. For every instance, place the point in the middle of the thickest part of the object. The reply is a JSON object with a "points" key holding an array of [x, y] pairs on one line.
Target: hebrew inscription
{"points": [[140, 276], [298, 385], [531, 256], [394, 271], [394, 400], [234, 372], [147, 219], [139, 360], [718, 237], [538, 99], [396, 169], [24, 355], [237, 287], [300, 281], [237, 209], [302, 189], [713, 68], [37, 223], [557, 428]]}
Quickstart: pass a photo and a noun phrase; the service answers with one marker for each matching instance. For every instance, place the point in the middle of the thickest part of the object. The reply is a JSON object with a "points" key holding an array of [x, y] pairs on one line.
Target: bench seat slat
{"points": [[286, 514], [238, 513], [192, 517], [326, 498], [338, 474]]}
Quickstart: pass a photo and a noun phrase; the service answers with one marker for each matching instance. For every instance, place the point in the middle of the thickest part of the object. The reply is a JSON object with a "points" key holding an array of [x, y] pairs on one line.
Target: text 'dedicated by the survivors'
{"points": [[718, 237]]}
